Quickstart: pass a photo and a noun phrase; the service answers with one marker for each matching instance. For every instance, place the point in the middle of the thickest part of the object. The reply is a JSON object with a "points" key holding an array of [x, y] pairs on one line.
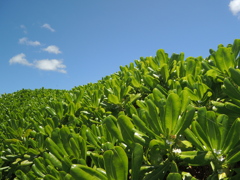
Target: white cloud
{"points": [[47, 26], [50, 65], [44, 64], [52, 49], [28, 42], [20, 59], [234, 6], [24, 28]]}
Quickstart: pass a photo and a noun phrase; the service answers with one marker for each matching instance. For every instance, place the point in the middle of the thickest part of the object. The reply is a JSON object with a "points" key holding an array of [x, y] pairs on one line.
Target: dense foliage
{"points": [[160, 118]]}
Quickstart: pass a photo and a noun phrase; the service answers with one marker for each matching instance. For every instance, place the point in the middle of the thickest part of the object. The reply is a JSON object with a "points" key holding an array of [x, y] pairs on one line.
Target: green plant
{"points": [[160, 118]]}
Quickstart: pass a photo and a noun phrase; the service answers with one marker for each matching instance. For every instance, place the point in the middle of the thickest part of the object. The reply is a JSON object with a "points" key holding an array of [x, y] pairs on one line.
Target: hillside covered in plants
{"points": [[162, 117]]}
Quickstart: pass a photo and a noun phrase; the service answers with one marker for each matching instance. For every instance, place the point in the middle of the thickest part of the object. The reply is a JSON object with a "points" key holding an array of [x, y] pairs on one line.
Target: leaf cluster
{"points": [[157, 118]]}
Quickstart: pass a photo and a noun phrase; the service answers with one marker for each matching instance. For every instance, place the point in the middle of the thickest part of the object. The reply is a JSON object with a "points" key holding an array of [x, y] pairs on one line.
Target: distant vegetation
{"points": [[160, 118]]}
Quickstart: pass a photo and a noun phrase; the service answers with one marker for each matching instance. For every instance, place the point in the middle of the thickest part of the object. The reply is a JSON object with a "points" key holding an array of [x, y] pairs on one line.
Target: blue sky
{"points": [[60, 44]]}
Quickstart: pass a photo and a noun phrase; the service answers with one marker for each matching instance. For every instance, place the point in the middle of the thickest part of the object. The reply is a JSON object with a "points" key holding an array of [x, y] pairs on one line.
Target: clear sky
{"points": [[60, 44]]}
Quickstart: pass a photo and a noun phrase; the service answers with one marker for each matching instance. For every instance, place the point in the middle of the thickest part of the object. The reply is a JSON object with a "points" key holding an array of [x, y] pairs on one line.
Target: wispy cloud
{"points": [[23, 28], [47, 26], [20, 59], [50, 65], [52, 49], [234, 6], [44, 64], [25, 41]]}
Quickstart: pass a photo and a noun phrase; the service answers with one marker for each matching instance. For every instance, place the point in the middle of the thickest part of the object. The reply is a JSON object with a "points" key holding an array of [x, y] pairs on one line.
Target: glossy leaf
{"points": [[236, 48], [116, 164], [173, 107], [127, 129], [230, 89], [184, 121], [113, 99], [142, 126], [224, 59], [235, 75], [110, 122], [174, 176], [232, 137], [154, 119], [197, 158], [158, 173], [78, 171], [137, 160]]}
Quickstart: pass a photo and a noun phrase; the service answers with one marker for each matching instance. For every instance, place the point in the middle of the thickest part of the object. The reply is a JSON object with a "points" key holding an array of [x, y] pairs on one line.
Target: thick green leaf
{"points": [[66, 163], [196, 158], [213, 133], [165, 72], [174, 176], [49, 177], [162, 57], [113, 99], [75, 148], [142, 126], [158, 173], [236, 47], [173, 107], [59, 109], [184, 121], [232, 137], [184, 100], [201, 134], [40, 165], [135, 82], [137, 160], [234, 158], [202, 117], [224, 59], [51, 111], [116, 164], [81, 143], [127, 129], [157, 148], [97, 159], [191, 94], [174, 167], [150, 81], [223, 123], [232, 107], [191, 66], [53, 148], [133, 97], [111, 125], [65, 135], [230, 89], [53, 160], [158, 95], [21, 175], [92, 138], [154, 119], [37, 171], [52, 170], [235, 75], [110, 169], [83, 172], [193, 139]]}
